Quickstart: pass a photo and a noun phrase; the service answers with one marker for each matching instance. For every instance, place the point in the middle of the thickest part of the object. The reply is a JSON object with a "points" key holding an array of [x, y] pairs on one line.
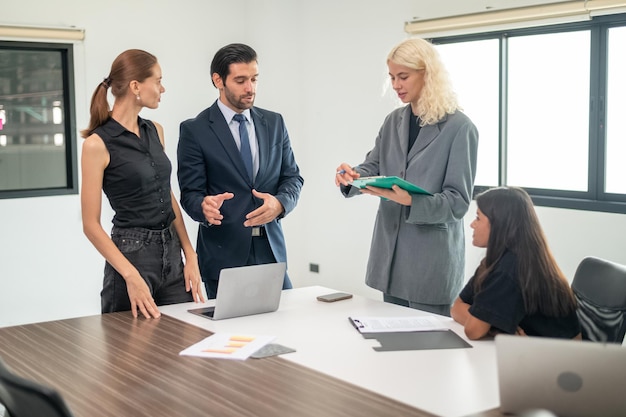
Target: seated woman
{"points": [[518, 288]]}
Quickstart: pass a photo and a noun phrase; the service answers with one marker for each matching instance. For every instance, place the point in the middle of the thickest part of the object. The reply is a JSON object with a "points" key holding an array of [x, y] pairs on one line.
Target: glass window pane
{"points": [[616, 109], [473, 68], [32, 129], [548, 111]]}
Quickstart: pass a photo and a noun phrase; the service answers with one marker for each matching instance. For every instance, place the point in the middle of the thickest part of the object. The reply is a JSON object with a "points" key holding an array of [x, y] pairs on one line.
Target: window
{"points": [[37, 121], [548, 110], [478, 88], [548, 104], [616, 109]]}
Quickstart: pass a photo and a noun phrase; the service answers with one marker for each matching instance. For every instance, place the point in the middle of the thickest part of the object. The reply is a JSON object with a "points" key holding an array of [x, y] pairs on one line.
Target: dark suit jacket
{"points": [[209, 163]]}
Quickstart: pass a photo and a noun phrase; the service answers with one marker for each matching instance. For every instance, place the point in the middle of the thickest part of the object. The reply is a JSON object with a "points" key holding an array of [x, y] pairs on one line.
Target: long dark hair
{"points": [[515, 227], [133, 64]]}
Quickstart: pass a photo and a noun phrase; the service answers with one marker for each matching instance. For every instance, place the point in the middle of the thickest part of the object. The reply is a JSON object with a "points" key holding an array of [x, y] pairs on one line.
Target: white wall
{"points": [[321, 64]]}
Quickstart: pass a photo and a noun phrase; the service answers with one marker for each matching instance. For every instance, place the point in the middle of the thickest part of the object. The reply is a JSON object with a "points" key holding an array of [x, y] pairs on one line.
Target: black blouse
{"points": [[501, 304], [137, 179]]}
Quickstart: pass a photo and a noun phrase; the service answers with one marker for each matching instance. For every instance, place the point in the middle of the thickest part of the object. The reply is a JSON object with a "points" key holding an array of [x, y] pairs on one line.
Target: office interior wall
{"points": [[322, 65], [48, 269]]}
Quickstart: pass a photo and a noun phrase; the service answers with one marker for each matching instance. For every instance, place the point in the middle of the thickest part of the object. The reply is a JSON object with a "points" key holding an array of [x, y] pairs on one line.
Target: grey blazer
{"points": [[418, 252]]}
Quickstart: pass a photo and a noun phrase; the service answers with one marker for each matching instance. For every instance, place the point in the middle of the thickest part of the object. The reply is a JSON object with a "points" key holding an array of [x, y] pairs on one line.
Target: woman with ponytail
{"points": [[123, 155], [518, 287]]}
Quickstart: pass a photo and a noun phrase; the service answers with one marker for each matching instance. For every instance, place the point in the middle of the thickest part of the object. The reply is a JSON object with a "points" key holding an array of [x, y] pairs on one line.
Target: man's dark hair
{"points": [[231, 54]]}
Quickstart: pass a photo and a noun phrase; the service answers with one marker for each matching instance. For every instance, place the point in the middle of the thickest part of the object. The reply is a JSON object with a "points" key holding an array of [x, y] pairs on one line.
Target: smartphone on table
{"points": [[336, 296]]}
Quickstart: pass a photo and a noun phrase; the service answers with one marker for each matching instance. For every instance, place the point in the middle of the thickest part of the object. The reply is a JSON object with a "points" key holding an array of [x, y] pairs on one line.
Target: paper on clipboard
{"points": [[397, 324], [388, 182]]}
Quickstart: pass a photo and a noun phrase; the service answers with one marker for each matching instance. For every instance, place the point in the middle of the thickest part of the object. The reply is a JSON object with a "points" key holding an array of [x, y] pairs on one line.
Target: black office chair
{"points": [[23, 398], [600, 288]]}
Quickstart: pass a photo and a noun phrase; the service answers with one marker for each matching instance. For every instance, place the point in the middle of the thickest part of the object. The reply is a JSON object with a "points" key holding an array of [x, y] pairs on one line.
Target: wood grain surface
{"points": [[116, 365]]}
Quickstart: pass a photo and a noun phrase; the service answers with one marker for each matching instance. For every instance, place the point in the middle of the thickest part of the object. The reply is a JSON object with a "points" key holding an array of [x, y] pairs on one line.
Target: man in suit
{"points": [[238, 176]]}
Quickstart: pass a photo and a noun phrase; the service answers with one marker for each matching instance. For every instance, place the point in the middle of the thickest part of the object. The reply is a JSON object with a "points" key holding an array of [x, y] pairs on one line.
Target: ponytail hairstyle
{"points": [[133, 64]]}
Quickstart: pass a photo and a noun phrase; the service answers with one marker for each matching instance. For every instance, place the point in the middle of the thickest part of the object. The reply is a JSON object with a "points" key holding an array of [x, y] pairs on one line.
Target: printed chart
{"points": [[227, 346]]}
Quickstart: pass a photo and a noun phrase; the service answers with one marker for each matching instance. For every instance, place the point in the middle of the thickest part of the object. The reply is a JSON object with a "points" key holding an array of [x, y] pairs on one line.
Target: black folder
{"points": [[423, 340]]}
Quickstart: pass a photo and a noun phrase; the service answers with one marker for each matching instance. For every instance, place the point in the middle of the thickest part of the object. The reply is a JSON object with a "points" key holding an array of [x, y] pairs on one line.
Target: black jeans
{"points": [[157, 256]]}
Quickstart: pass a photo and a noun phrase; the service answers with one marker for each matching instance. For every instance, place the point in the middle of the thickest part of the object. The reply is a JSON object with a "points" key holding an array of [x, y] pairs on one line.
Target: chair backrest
{"points": [[24, 398], [600, 288]]}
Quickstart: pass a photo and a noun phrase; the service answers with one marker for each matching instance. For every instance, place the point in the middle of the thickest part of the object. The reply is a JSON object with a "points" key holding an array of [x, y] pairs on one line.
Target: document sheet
{"points": [[227, 346], [397, 324]]}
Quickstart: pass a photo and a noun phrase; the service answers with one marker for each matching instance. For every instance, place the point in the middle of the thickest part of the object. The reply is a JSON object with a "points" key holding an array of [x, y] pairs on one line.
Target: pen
{"points": [[343, 171]]}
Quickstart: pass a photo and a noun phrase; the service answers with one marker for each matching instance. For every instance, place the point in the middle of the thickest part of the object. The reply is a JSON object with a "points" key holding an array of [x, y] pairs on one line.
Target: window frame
{"points": [[595, 198], [69, 119]]}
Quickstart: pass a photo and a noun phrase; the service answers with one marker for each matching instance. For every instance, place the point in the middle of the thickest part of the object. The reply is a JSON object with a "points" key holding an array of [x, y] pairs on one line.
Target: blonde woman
{"points": [[417, 255]]}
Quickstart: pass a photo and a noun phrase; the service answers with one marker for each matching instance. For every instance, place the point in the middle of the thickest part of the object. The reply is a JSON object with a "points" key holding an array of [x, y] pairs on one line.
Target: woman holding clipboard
{"points": [[417, 255]]}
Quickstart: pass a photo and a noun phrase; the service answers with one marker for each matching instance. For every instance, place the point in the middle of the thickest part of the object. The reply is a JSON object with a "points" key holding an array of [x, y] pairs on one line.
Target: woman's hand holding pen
{"points": [[345, 175]]}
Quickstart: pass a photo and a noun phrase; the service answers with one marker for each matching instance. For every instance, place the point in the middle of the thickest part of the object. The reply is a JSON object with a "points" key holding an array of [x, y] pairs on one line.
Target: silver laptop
{"points": [[570, 378], [246, 290]]}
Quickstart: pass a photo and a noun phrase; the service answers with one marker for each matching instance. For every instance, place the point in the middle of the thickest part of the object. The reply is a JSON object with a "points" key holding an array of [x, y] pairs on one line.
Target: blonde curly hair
{"points": [[437, 97]]}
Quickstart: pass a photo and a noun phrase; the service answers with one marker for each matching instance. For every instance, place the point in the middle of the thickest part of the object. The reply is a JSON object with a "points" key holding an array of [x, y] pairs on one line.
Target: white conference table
{"points": [[445, 382]]}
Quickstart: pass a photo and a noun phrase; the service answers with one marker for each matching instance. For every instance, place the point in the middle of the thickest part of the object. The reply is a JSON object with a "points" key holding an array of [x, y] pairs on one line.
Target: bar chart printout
{"points": [[227, 346]]}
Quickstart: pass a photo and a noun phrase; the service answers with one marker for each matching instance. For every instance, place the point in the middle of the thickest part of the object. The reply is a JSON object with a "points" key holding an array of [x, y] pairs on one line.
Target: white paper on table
{"points": [[227, 346], [397, 324]]}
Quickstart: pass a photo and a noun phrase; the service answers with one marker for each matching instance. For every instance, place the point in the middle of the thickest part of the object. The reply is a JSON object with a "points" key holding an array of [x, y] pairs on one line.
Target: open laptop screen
{"points": [[246, 290]]}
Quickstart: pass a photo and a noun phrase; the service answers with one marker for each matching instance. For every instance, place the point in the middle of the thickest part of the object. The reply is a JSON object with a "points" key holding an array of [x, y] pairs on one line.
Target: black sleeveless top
{"points": [[137, 179]]}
